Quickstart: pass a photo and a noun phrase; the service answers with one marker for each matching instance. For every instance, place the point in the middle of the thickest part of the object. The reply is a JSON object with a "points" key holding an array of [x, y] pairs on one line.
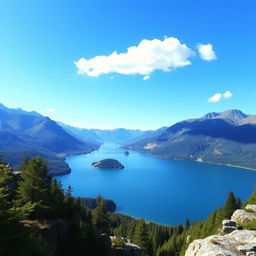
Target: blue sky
{"points": [[41, 41]]}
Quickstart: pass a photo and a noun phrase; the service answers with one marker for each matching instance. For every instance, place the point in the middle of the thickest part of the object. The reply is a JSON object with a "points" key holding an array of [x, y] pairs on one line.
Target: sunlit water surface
{"points": [[160, 190]]}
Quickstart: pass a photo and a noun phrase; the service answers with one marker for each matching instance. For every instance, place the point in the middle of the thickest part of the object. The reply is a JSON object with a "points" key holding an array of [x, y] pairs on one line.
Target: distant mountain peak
{"points": [[210, 115], [18, 110], [231, 115]]}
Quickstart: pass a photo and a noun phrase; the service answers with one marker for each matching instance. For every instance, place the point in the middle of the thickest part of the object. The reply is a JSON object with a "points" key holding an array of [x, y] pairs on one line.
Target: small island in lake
{"points": [[126, 153], [108, 164]]}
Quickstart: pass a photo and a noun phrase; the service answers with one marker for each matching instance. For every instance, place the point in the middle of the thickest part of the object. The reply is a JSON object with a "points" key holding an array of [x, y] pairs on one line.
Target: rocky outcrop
{"points": [[127, 249], [108, 164], [228, 226], [243, 216], [239, 242], [251, 207]]}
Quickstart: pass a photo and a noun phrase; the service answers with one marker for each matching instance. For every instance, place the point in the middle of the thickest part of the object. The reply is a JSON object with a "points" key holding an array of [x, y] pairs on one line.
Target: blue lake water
{"points": [[159, 190]]}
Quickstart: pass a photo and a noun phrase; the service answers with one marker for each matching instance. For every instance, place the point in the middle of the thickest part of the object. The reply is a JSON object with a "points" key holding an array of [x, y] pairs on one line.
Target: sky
{"points": [[132, 64]]}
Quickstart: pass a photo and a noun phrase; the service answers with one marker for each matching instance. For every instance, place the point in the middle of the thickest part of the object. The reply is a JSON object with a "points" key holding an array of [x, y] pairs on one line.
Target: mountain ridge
{"points": [[22, 131], [216, 137]]}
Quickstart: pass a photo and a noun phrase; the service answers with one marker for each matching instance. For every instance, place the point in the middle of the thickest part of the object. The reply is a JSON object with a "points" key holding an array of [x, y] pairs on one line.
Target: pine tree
{"points": [[68, 203], [230, 206], [141, 238], [238, 203], [100, 215], [12, 239], [35, 186], [56, 199], [252, 198], [186, 225]]}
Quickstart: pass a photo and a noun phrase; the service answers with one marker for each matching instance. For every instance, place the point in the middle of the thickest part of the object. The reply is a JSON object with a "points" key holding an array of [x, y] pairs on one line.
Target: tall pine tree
{"points": [[13, 239], [230, 206], [100, 215], [141, 238], [35, 186]]}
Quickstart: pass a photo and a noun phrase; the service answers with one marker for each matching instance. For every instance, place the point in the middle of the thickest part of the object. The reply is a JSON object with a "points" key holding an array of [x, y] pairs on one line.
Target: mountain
{"points": [[99, 136], [28, 132], [119, 135], [233, 116], [83, 134], [226, 138], [248, 120], [145, 135]]}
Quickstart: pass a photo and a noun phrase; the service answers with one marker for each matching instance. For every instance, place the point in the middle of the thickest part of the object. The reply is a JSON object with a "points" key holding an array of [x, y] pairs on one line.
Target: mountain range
{"points": [[29, 133], [24, 133], [228, 138]]}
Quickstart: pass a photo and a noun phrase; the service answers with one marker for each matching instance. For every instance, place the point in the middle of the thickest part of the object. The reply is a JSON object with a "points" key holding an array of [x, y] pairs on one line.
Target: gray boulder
{"points": [[227, 245], [242, 216], [229, 223], [251, 207]]}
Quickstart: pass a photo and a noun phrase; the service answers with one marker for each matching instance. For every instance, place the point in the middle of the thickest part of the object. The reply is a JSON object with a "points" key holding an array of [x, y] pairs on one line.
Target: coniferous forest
{"points": [[37, 217]]}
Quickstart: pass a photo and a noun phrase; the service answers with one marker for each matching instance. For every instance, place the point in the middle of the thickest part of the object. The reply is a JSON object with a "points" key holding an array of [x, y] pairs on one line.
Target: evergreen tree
{"points": [[13, 239], [186, 225], [230, 206], [56, 199], [101, 216], [141, 238], [238, 203], [252, 198], [68, 203], [35, 186]]}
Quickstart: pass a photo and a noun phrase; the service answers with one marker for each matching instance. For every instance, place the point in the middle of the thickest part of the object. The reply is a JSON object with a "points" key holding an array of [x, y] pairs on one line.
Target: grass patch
{"points": [[118, 243], [250, 225], [214, 241]]}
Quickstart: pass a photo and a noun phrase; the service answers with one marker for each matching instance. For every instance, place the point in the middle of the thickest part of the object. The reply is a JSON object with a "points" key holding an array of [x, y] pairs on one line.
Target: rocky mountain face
{"points": [[29, 133], [226, 138], [239, 242]]}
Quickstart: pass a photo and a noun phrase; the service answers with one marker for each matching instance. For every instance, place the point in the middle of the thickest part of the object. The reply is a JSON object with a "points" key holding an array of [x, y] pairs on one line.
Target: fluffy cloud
{"points": [[146, 77], [148, 56], [215, 98], [218, 96], [227, 95], [206, 52]]}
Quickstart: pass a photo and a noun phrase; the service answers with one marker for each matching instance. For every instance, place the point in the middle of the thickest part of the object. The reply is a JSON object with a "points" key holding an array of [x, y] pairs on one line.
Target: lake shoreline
{"points": [[199, 160]]}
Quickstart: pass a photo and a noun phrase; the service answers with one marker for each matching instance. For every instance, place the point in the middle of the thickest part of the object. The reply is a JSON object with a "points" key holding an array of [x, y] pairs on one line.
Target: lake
{"points": [[159, 190]]}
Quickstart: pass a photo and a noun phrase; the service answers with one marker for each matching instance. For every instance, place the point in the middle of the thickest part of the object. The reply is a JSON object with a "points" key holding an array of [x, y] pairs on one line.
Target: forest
{"points": [[39, 217]]}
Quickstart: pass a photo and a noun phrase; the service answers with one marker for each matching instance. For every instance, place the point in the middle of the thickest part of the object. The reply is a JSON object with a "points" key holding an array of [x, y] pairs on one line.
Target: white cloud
{"points": [[51, 110], [215, 98], [146, 77], [218, 96], [227, 95], [150, 55], [206, 52]]}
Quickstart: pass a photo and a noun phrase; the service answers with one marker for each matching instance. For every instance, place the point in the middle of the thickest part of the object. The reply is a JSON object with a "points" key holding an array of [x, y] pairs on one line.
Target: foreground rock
{"points": [[242, 216], [239, 242], [126, 249], [108, 164], [228, 226]]}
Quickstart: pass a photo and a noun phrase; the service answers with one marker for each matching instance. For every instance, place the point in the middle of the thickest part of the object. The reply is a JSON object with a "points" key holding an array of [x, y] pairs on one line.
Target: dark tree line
{"points": [[35, 197]]}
